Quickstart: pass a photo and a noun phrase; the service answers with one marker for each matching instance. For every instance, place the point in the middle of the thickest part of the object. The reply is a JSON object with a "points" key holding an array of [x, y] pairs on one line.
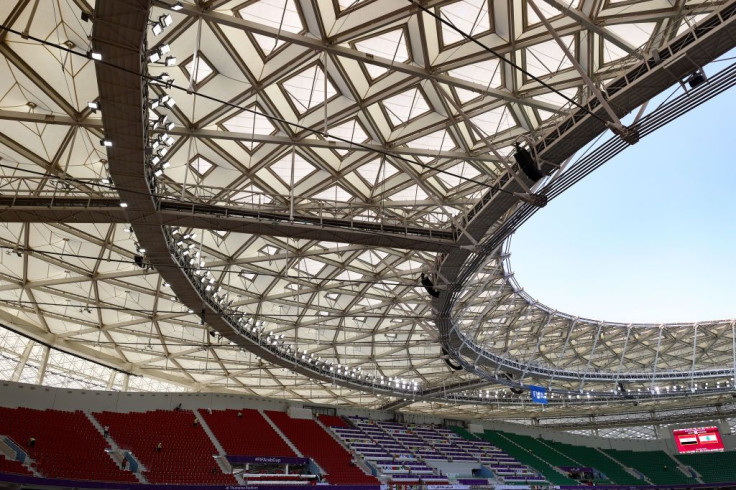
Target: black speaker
{"points": [[429, 286], [696, 79], [527, 164], [454, 367], [515, 390]]}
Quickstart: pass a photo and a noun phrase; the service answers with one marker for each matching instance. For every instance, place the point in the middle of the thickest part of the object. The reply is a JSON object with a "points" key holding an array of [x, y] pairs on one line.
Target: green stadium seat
{"points": [[658, 466], [712, 467]]}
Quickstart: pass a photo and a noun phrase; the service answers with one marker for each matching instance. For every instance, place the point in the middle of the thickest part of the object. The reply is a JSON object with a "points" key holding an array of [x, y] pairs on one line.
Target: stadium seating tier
{"points": [[658, 466], [186, 456], [11, 466], [314, 442], [712, 467], [67, 445], [247, 434]]}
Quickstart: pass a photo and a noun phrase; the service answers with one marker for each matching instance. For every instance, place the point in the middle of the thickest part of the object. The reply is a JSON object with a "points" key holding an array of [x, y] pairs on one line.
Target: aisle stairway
{"points": [[247, 435], [67, 445], [116, 454], [14, 467], [712, 467], [323, 422], [658, 466], [14, 455], [283, 436], [527, 457], [187, 455], [315, 443], [587, 456]]}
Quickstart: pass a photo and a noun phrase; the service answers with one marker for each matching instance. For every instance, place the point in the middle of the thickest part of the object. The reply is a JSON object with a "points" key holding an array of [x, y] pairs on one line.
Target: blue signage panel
{"points": [[539, 394]]}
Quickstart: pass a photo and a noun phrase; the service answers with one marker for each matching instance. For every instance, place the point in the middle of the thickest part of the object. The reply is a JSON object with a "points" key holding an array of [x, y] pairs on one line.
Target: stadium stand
{"points": [[657, 466], [464, 433], [248, 435], [66, 444], [541, 450], [593, 458], [416, 453], [527, 457], [712, 467], [11, 466], [312, 441], [186, 456], [506, 469], [333, 421]]}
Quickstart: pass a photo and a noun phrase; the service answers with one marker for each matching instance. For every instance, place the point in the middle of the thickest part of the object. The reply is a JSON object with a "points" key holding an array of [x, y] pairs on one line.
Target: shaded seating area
{"points": [[186, 454], [312, 440], [245, 432], [66, 444], [12, 466], [712, 467], [658, 466]]}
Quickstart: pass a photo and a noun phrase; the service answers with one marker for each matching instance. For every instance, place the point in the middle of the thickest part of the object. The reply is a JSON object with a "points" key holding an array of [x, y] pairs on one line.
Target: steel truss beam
{"points": [[192, 215], [95, 124]]}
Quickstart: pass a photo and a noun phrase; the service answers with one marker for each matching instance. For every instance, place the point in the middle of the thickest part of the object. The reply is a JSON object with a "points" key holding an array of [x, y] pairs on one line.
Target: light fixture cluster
{"points": [[160, 55], [185, 250], [165, 100], [692, 387], [158, 139], [160, 25], [619, 393]]}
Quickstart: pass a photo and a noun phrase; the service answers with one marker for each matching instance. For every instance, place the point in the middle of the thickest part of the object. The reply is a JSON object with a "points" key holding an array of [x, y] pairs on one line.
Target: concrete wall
{"points": [[41, 397]]}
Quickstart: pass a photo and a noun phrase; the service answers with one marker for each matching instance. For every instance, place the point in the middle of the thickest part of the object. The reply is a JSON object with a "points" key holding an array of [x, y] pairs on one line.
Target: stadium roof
{"points": [[325, 153]]}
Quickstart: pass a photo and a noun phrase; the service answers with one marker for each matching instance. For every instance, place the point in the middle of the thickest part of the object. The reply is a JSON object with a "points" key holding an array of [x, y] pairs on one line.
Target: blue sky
{"points": [[650, 236]]}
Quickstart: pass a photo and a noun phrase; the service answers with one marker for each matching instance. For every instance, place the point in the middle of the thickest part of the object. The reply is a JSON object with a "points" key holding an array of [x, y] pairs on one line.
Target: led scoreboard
{"points": [[698, 440]]}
